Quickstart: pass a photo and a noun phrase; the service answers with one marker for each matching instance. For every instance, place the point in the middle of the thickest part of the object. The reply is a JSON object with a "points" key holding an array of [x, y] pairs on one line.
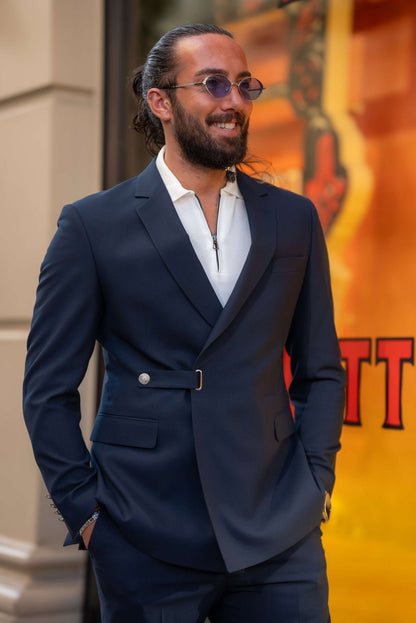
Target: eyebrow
{"points": [[209, 71]]}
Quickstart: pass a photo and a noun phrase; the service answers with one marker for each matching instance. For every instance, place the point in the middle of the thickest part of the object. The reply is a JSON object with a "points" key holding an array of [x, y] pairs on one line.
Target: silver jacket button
{"points": [[144, 378]]}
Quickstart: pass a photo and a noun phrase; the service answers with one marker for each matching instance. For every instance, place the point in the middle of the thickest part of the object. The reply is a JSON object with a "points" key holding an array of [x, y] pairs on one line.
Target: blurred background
{"points": [[337, 122]]}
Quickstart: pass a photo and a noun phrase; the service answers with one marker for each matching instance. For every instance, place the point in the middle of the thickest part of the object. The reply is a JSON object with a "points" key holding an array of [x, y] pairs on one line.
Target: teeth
{"points": [[226, 126]]}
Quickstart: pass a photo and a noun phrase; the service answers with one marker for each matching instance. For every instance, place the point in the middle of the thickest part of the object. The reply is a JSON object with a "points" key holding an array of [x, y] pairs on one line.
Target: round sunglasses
{"points": [[219, 86]]}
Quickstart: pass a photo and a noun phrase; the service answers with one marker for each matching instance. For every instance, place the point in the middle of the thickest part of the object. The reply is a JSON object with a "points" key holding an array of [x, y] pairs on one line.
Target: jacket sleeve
{"points": [[318, 378], [61, 340]]}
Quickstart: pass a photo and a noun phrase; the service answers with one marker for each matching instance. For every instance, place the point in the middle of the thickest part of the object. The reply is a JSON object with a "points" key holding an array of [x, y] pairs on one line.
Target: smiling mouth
{"points": [[225, 126]]}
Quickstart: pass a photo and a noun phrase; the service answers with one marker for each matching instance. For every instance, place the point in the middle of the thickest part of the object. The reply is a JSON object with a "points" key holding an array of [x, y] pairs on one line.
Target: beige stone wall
{"points": [[50, 153]]}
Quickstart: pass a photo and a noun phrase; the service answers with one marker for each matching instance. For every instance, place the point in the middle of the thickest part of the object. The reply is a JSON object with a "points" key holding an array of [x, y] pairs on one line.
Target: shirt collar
{"points": [[175, 188]]}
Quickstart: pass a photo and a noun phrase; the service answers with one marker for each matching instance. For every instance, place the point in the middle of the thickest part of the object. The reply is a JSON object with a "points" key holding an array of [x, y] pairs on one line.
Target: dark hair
{"points": [[159, 71]]}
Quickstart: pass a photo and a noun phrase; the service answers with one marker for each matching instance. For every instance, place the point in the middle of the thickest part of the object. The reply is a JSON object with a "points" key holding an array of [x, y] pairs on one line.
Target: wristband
{"points": [[89, 521]]}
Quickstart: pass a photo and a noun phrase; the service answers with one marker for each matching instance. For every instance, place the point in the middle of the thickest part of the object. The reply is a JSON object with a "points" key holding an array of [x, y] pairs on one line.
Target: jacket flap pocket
{"points": [[284, 426], [125, 431]]}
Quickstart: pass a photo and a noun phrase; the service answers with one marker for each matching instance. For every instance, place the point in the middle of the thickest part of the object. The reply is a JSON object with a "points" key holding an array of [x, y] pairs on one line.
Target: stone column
{"points": [[50, 154]]}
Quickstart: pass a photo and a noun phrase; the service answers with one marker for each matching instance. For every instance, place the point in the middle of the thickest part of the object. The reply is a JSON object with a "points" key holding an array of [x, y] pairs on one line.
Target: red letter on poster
{"points": [[395, 352], [354, 352]]}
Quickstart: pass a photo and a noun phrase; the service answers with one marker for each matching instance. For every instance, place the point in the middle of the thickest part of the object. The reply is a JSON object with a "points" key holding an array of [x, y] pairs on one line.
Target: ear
{"points": [[160, 104]]}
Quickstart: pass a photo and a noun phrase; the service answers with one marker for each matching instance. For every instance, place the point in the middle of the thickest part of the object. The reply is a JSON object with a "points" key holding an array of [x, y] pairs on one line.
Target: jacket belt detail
{"points": [[171, 379]]}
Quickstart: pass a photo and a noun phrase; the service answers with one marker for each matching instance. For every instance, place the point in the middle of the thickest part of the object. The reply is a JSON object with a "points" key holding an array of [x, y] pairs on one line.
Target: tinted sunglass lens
{"points": [[218, 86], [250, 88]]}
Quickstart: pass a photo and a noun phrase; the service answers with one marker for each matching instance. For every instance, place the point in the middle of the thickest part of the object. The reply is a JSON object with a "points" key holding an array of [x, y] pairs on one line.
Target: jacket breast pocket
{"points": [[287, 264], [125, 431]]}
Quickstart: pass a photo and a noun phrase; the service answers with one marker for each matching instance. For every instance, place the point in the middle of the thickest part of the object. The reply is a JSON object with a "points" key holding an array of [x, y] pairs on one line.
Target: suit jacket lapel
{"points": [[163, 225], [262, 220]]}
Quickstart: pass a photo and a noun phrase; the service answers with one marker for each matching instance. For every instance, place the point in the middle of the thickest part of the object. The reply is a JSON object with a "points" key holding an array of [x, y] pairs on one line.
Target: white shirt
{"points": [[224, 260]]}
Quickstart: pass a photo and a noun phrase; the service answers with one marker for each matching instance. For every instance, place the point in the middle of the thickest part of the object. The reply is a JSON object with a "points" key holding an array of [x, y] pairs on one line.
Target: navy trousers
{"points": [[136, 588]]}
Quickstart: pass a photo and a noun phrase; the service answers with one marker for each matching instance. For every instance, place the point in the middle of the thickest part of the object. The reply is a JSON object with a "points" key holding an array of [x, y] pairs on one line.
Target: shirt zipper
{"points": [[213, 236], [215, 247]]}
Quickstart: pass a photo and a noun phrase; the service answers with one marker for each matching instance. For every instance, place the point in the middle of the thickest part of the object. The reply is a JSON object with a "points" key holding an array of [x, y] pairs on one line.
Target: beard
{"points": [[200, 148]]}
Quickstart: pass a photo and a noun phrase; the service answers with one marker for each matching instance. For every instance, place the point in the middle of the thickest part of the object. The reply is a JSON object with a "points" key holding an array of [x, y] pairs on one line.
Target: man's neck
{"points": [[203, 181]]}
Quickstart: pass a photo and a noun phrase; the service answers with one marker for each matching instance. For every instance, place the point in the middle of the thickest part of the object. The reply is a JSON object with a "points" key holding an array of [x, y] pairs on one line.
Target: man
{"points": [[201, 496]]}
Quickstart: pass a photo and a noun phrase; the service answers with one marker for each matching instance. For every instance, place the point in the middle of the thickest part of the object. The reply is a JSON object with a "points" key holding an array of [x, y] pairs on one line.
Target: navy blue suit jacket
{"points": [[218, 478]]}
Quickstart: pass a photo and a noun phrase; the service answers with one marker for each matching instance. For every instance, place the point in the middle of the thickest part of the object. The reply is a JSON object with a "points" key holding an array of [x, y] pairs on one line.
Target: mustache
{"points": [[227, 117]]}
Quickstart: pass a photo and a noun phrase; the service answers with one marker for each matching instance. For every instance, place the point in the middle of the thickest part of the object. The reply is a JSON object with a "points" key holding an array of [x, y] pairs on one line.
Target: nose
{"points": [[234, 99]]}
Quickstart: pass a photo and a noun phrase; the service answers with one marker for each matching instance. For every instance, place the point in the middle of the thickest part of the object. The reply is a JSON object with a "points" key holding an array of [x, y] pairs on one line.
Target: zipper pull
{"points": [[215, 247]]}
